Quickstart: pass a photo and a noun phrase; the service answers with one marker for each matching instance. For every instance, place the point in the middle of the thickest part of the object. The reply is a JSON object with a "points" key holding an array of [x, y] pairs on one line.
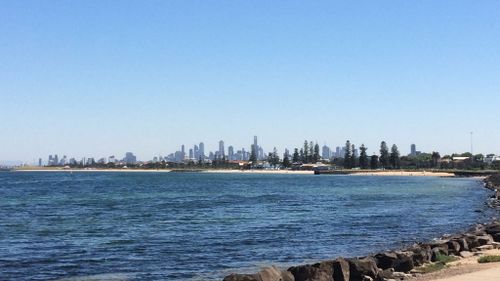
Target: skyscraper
{"points": [[202, 150], [413, 150], [221, 149], [255, 145], [129, 158], [183, 152], [325, 152], [230, 153]]}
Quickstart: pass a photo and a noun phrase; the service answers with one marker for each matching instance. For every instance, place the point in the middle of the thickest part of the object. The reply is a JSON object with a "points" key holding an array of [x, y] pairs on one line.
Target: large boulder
{"points": [[464, 246], [453, 247], [242, 277], [322, 271], [421, 254], [493, 229], [437, 251], [404, 262], [266, 274], [385, 260], [275, 274], [361, 267], [472, 241], [341, 270], [484, 240]]}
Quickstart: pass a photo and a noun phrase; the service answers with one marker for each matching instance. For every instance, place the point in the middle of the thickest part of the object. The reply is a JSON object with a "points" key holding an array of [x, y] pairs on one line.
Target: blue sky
{"points": [[97, 78]]}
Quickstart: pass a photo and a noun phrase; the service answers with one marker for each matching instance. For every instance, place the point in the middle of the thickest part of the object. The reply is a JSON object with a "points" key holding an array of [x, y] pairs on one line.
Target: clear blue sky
{"points": [[96, 78]]}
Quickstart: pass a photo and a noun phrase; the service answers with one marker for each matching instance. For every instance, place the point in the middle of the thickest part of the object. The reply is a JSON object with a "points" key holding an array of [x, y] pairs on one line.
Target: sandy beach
{"points": [[404, 173], [280, 172], [234, 171]]}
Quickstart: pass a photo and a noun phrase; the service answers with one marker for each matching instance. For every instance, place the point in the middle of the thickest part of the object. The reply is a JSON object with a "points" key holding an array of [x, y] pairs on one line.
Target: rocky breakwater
{"points": [[389, 265], [493, 182]]}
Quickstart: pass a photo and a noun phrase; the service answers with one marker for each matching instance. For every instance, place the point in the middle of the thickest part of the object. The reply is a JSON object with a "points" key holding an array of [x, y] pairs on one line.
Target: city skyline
{"points": [[197, 153], [93, 78], [185, 151]]}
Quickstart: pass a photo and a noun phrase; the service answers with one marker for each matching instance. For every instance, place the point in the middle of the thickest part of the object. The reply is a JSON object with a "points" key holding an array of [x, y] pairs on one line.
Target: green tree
{"points": [[374, 162], [347, 155], [316, 156], [286, 161], [253, 155], [311, 152], [275, 159], [384, 155], [394, 157], [302, 156], [435, 159], [353, 156], [305, 152], [296, 156], [363, 157]]}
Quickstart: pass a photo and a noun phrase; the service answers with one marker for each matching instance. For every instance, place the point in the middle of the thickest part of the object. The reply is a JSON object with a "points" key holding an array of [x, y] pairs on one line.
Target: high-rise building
{"points": [[191, 153], [413, 149], [130, 158], [63, 161], [183, 152], [196, 152], [230, 153], [221, 149], [255, 146], [325, 152], [202, 150], [56, 160], [40, 162]]}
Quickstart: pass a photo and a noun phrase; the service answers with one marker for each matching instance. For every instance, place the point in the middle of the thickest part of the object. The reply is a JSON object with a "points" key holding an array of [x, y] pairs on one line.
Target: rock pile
{"points": [[389, 265]]}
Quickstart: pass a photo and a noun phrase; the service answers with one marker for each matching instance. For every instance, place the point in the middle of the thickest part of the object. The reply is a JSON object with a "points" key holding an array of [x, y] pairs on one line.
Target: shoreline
{"points": [[401, 173]]}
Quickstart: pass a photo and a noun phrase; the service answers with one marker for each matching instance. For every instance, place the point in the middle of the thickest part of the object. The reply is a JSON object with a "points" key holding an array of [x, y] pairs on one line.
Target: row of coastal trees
{"points": [[388, 158]]}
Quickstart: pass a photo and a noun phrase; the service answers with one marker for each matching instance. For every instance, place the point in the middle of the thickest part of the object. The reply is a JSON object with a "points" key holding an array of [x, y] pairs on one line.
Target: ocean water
{"points": [[200, 226]]}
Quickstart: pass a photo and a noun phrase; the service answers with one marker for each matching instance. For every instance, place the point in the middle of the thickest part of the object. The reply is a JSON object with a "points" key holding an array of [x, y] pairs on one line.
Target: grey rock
{"points": [[485, 247], [358, 268], [466, 254], [341, 271], [322, 271]]}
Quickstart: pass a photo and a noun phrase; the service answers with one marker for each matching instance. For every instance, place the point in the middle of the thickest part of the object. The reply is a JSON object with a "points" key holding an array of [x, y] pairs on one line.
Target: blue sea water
{"points": [[202, 226]]}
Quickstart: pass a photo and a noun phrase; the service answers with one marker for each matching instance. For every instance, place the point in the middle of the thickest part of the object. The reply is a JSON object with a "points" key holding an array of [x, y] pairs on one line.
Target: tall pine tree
{"points": [[363, 157], [347, 155], [384, 155], [394, 157]]}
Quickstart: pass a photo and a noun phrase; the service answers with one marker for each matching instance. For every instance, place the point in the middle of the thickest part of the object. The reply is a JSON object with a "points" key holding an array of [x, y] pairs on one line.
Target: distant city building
{"points": [[325, 152], [221, 151], [413, 150], [191, 153], [202, 150], [40, 162], [130, 158], [90, 161], [230, 153]]}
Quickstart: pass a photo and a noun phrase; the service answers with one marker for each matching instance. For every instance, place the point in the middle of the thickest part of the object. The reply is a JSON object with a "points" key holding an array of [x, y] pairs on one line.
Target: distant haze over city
{"points": [[93, 79]]}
